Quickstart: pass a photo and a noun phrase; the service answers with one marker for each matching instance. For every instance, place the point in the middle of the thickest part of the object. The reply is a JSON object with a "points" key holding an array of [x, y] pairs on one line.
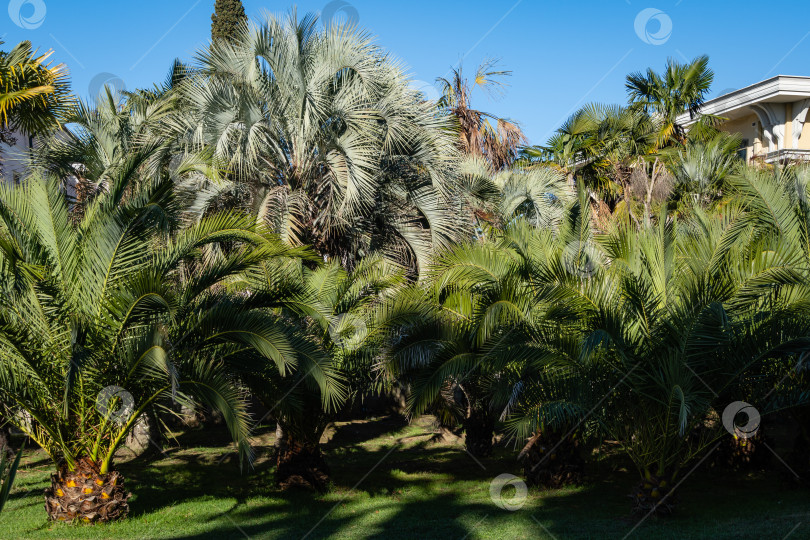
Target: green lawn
{"points": [[391, 481]]}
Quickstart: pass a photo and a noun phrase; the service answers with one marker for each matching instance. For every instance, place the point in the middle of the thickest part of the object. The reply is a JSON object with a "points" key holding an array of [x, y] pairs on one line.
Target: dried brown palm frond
{"points": [[499, 143]]}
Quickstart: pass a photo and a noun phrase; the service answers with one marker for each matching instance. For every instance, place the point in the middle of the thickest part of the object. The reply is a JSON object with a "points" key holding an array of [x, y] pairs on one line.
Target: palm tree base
{"points": [[654, 494], [301, 465], [551, 461], [478, 432], [84, 494]]}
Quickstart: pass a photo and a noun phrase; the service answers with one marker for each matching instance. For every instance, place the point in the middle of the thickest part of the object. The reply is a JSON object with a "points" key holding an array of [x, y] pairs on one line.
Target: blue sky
{"points": [[562, 54]]}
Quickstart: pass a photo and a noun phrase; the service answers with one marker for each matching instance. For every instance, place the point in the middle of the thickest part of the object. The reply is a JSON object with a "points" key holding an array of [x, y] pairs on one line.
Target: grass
{"points": [[392, 481]]}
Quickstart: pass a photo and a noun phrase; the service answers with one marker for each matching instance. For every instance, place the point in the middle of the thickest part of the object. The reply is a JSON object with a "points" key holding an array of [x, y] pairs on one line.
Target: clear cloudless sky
{"points": [[562, 54]]}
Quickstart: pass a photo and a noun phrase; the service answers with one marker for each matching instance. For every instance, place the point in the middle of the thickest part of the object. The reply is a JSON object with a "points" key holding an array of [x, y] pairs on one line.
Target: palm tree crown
{"points": [[335, 148]]}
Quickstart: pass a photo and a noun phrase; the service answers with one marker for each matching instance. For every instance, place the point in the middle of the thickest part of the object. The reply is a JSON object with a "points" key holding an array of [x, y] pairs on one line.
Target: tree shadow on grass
{"points": [[420, 484], [385, 469], [419, 491], [409, 487], [409, 521], [186, 477], [350, 434], [371, 473]]}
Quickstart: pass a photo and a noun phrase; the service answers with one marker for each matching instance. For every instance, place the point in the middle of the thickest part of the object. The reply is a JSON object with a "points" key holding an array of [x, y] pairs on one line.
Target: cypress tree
{"points": [[228, 16]]}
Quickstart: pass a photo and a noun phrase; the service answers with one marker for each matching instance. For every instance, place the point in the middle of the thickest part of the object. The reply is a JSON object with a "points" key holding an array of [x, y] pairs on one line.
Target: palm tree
{"points": [[702, 168], [683, 313], [302, 400], [551, 390], [349, 303], [617, 151], [102, 135], [664, 326], [334, 312], [601, 146], [496, 198], [568, 149], [499, 143], [113, 313], [679, 89], [319, 134], [34, 94], [34, 98], [453, 338]]}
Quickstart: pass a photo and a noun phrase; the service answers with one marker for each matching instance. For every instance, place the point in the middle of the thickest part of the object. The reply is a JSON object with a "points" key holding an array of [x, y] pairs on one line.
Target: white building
{"points": [[769, 115], [15, 158]]}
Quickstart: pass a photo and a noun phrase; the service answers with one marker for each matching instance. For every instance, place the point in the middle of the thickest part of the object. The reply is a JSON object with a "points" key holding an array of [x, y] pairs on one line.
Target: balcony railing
{"points": [[785, 155]]}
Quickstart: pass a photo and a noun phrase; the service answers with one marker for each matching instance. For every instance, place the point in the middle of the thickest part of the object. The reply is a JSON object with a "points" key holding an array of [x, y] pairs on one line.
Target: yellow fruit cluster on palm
{"points": [[654, 494]]}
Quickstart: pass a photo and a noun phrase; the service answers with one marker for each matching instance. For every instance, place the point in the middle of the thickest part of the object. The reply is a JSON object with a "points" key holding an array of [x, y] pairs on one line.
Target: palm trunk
{"points": [[479, 429], [280, 438], [551, 460], [654, 493], [5, 437], [572, 183], [84, 494], [300, 463]]}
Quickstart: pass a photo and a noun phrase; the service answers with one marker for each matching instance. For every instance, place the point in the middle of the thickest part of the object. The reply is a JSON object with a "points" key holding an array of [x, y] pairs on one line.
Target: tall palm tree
{"points": [[117, 311], [499, 143], [320, 134], [34, 93], [611, 148], [681, 88], [601, 146], [568, 148]]}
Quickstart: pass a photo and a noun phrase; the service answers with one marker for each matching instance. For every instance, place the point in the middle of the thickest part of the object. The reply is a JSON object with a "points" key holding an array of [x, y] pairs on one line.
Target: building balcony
{"points": [[785, 155]]}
